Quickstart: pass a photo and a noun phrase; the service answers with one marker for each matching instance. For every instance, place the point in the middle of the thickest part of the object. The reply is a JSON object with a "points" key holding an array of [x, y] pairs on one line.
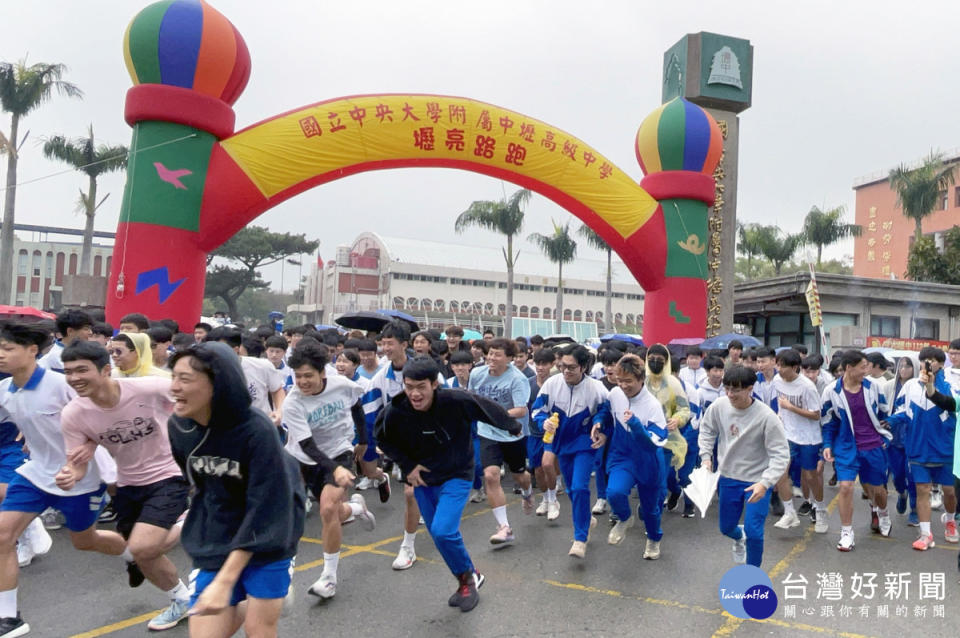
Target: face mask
{"points": [[655, 365]]}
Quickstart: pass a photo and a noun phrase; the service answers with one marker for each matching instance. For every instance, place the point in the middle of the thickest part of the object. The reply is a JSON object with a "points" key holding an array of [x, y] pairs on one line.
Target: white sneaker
{"points": [[39, 538], [364, 484], [885, 525], [619, 531], [936, 500], [324, 587], [477, 496], [578, 549], [24, 554], [600, 506], [652, 550], [366, 517], [846, 543], [405, 559], [396, 473], [788, 520], [553, 510], [740, 548], [797, 492], [542, 507], [820, 526]]}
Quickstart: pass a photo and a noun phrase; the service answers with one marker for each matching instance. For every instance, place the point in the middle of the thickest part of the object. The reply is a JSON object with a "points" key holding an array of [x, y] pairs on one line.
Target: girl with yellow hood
{"points": [[668, 390], [132, 357]]}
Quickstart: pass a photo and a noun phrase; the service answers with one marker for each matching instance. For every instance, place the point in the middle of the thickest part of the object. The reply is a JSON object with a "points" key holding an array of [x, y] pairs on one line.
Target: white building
{"points": [[442, 283], [41, 267]]}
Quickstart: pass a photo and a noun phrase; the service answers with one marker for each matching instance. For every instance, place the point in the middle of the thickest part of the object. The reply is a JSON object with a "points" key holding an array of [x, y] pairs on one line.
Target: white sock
{"points": [[126, 555], [330, 562], [500, 513], [408, 539], [355, 508], [846, 529], [8, 603], [527, 492], [874, 508], [551, 495], [924, 528], [819, 505], [180, 592], [882, 513], [788, 507]]}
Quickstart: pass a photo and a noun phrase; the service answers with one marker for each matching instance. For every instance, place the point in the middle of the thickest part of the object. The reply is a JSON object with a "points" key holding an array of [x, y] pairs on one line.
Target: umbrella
{"points": [[23, 312], [686, 341], [703, 485], [722, 341], [468, 335], [632, 339], [363, 320], [396, 314]]}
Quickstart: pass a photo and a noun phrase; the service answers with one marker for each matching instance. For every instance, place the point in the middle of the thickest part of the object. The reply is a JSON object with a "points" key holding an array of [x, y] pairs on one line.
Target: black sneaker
{"points": [[673, 501], [688, 509], [108, 515], [466, 594], [833, 479], [805, 508], [134, 577], [613, 519], [478, 578], [384, 488], [813, 515], [776, 505], [12, 627]]}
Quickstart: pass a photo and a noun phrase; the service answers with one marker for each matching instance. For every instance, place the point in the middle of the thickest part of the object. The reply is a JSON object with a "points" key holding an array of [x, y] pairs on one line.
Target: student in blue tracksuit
{"points": [[927, 419], [636, 455], [851, 412], [908, 367], [584, 414]]}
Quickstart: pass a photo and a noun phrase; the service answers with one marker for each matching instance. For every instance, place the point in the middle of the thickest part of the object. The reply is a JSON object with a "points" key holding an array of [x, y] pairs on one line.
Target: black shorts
{"points": [[316, 477], [159, 504], [513, 453]]}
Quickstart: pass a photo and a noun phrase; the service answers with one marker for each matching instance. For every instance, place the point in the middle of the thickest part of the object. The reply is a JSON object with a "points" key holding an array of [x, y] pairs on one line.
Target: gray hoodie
{"points": [[751, 444]]}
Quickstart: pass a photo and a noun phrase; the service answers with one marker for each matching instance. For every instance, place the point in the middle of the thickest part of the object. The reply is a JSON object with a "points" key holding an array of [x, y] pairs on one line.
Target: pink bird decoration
{"points": [[172, 176]]}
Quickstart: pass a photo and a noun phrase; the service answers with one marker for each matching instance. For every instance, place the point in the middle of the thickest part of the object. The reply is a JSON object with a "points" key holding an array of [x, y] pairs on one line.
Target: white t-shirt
{"points": [[802, 393], [35, 408], [326, 417], [262, 379]]}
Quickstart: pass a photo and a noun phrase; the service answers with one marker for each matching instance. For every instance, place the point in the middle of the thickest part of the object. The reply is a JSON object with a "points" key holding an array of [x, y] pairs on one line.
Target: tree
{"points": [[253, 247], [505, 217], [779, 248], [822, 228], [748, 244], [743, 271], [22, 89], [84, 155], [560, 248], [927, 263], [597, 242], [918, 189]]}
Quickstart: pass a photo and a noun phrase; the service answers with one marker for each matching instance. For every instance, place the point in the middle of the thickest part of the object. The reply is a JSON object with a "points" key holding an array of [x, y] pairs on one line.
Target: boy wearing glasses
{"points": [[752, 454]]}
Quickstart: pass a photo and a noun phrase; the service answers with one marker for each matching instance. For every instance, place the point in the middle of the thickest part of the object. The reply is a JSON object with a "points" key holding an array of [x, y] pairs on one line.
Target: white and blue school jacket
{"points": [[764, 392], [838, 423], [637, 445], [926, 430], [579, 407]]}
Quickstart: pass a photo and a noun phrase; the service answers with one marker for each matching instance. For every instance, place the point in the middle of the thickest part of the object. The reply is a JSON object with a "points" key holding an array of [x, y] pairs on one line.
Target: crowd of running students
{"points": [[223, 439]]}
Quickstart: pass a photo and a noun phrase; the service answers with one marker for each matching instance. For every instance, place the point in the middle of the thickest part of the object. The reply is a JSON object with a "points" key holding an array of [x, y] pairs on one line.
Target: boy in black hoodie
{"points": [[426, 430], [246, 515]]}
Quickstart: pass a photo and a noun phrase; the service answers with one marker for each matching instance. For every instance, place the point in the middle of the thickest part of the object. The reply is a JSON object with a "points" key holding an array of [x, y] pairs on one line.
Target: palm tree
{"points": [[505, 217], [748, 243], [560, 248], [85, 156], [822, 228], [777, 247], [597, 242], [917, 189], [22, 89]]}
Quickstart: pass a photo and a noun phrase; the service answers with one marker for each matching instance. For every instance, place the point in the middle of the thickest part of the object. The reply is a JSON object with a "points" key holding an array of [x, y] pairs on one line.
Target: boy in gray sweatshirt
{"points": [[753, 454]]}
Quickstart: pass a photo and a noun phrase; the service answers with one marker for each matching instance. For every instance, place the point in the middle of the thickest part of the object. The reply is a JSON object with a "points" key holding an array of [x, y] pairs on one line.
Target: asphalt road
{"points": [[533, 588]]}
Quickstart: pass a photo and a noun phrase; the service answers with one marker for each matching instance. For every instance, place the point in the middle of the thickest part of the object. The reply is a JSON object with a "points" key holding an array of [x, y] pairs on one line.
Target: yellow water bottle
{"points": [[550, 427]]}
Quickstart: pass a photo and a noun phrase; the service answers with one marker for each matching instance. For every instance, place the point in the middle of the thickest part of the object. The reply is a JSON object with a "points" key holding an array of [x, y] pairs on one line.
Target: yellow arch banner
{"points": [[416, 130]]}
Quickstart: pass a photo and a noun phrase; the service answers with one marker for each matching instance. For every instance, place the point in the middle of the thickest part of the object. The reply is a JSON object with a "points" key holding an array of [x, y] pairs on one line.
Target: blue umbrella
{"points": [[396, 314], [632, 339], [722, 341]]}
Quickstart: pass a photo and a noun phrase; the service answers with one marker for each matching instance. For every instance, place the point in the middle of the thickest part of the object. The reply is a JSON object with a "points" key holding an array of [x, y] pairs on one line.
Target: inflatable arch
{"points": [[192, 182]]}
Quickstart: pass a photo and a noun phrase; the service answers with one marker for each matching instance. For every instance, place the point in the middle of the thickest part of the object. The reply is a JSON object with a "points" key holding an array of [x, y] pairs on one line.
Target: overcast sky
{"points": [[840, 90]]}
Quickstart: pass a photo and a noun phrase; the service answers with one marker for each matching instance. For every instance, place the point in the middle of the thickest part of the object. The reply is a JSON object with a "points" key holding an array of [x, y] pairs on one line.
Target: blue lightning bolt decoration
{"points": [[159, 277]]}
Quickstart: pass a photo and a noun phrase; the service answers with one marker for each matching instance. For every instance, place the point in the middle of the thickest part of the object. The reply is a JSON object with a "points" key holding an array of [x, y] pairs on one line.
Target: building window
{"points": [[37, 263], [926, 329], [49, 264], [22, 265], [884, 326], [944, 198], [956, 196]]}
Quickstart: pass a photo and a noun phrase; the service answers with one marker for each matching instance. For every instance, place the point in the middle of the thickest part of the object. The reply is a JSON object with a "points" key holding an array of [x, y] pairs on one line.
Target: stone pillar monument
{"points": [[716, 72]]}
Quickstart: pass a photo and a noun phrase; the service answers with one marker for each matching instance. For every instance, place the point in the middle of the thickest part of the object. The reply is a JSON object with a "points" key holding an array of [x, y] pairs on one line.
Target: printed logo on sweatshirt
{"points": [[216, 466], [734, 430]]}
